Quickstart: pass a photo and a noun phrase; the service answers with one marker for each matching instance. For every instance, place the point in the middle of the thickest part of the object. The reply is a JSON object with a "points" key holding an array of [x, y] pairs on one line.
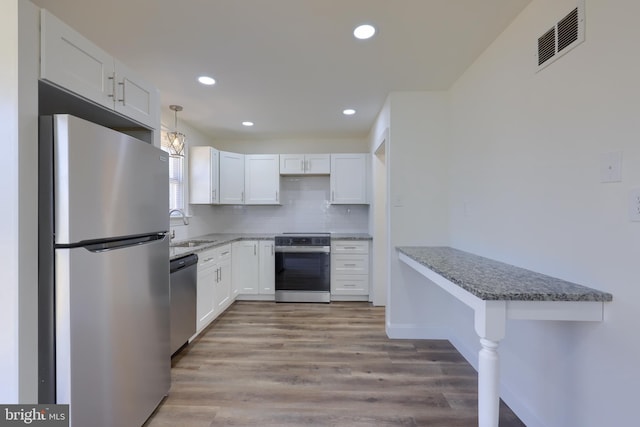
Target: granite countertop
{"points": [[219, 239], [492, 280], [351, 236], [213, 241]]}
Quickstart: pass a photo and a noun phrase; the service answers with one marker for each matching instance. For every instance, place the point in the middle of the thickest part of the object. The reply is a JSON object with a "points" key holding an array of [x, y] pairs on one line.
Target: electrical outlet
{"points": [[634, 204]]}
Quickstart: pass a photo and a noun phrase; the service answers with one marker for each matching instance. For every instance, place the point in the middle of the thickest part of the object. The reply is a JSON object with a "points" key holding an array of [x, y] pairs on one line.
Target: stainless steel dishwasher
{"points": [[184, 282]]}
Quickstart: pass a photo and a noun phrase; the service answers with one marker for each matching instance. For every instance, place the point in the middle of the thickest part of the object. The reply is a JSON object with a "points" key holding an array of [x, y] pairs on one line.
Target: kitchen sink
{"points": [[191, 243]]}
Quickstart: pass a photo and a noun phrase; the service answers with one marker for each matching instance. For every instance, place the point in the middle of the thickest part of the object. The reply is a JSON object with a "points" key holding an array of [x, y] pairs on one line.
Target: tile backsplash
{"points": [[305, 208]]}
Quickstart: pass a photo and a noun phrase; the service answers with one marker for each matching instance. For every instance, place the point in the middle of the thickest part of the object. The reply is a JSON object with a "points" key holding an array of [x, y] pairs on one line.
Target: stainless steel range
{"points": [[303, 267]]}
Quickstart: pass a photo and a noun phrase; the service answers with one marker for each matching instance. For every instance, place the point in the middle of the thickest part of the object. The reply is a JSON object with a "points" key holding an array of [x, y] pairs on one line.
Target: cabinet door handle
{"points": [[349, 247], [272, 249], [349, 265], [224, 253], [214, 195], [254, 250], [333, 196], [242, 196], [123, 96], [220, 269], [113, 86], [276, 196], [301, 165], [309, 165]]}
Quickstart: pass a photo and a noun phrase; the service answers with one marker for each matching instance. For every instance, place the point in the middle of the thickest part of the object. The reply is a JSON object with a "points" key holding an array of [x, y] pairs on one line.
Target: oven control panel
{"points": [[303, 240]]}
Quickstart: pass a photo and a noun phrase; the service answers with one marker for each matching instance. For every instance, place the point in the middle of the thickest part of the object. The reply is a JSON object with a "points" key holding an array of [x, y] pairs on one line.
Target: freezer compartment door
{"points": [[112, 333], [106, 184]]}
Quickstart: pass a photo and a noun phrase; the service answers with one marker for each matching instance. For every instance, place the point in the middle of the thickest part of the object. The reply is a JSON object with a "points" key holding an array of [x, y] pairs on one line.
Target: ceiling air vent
{"points": [[564, 36]]}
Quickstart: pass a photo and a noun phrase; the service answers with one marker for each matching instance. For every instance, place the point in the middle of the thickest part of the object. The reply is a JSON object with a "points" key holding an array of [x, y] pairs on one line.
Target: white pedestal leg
{"points": [[490, 323], [488, 384]]}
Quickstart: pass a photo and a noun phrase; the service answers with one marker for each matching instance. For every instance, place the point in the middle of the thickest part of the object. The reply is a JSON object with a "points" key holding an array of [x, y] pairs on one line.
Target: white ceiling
{"points": [[290, 66]]}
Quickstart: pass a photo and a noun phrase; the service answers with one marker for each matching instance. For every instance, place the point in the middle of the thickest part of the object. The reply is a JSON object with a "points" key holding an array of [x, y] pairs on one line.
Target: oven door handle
{"points": [[303, 249]]}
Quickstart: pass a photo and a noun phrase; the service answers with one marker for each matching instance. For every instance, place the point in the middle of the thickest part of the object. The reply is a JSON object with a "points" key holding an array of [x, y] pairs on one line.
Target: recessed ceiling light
{"points": [[349, 112], [364, 31], [206, 80], [247, 124]]}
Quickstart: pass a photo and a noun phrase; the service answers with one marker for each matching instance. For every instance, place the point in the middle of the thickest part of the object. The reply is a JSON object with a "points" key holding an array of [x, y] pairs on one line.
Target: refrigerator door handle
{"points": [[114, 244]]}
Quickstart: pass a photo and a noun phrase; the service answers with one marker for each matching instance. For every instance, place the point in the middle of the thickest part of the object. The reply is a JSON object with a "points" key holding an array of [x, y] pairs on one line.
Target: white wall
{"points": [[19, 38], [294, 146], [378, 217], [525, 189], [416, 161], [9, 291]]}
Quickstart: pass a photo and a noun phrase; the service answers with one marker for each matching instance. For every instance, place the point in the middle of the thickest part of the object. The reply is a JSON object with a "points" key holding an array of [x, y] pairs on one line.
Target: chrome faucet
{"points": [[185, 220]]}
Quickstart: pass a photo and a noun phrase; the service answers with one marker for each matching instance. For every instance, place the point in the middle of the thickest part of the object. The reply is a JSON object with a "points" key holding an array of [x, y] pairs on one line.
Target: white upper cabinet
{"points": [[349, 177], [231, 178], [298, 164], [135, 97], [74, 63], [262, 179], [204, 183]]}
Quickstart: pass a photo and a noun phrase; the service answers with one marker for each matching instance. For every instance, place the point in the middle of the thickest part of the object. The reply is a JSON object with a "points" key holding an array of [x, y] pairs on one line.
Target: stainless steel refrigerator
{"points": [[103, 273]]}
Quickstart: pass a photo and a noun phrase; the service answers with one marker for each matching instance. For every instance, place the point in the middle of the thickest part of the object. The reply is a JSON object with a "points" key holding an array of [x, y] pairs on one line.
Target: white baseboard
{"points": [[362, 298], [255, 297], [413, 331]]}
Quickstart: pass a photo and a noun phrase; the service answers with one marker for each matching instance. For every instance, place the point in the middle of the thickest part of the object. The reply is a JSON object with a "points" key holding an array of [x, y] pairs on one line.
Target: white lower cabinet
{"points": [[205, 306], [222, 293], [349, 270], [245, 268], [267, 264], [214, 285], [253, 270]]}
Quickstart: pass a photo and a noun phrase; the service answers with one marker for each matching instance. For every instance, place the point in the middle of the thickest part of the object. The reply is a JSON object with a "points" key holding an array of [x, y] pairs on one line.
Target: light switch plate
{"points": [[634, 204], [611, 167]]}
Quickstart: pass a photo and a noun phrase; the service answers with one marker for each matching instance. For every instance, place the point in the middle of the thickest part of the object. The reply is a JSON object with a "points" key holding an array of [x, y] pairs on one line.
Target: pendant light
{"points": [[176, 139]]}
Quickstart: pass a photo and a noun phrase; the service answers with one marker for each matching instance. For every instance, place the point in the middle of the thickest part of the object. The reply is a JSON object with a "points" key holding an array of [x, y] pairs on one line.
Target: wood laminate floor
{"points": [[267, 364]]}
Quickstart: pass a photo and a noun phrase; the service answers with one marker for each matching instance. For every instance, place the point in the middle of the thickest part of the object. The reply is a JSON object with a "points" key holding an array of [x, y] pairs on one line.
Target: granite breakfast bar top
{"points": [[493, 280]]}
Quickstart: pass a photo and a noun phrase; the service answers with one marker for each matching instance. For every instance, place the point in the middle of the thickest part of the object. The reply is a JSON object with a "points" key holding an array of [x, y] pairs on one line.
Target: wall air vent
{"points": [[564, 36]]}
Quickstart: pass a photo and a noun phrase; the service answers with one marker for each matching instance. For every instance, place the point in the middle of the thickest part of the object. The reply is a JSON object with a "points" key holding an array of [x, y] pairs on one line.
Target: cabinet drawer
{"points": [[350, 285], [350, 264], [349, 247], [207, 259], [223, 253]]}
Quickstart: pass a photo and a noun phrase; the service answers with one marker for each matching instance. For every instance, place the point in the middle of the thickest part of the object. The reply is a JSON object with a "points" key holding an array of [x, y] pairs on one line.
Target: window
{"points": [[176, 177]]}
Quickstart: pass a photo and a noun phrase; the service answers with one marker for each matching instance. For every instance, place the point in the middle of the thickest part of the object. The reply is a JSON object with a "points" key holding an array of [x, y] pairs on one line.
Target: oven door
{"points": [[303, 269]]}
